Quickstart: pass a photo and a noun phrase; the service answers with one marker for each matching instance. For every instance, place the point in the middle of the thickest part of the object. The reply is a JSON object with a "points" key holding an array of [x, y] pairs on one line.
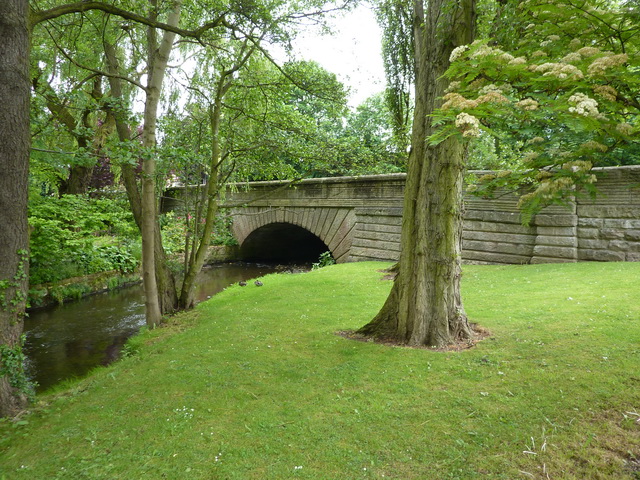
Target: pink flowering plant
{"points": [[567, 96]]}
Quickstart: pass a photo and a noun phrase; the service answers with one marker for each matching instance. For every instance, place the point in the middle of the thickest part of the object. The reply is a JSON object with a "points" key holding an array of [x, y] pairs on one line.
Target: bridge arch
{"points": [[305, 228]]}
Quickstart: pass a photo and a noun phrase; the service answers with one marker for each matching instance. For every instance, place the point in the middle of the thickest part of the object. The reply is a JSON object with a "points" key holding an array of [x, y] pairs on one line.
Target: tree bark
{"points": [[187, 294], [157, 65], [425, 306], [165, 281], [14, 168]]}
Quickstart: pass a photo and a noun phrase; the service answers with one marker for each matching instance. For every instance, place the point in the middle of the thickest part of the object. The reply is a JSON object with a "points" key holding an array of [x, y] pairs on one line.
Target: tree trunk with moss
{"points": [[425, 306], [14, 168]]}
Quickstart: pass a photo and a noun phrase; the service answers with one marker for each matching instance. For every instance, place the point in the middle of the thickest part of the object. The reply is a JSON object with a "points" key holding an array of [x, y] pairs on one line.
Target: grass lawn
{"points": [[254, 384]]}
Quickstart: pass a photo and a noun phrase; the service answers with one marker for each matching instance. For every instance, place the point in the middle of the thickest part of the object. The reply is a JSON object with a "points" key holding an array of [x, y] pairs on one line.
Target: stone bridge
{"points": [[359, 218]]}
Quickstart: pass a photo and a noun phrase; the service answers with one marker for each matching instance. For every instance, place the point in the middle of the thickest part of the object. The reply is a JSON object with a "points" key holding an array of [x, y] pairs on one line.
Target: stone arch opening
{"points": [[282, 242]]}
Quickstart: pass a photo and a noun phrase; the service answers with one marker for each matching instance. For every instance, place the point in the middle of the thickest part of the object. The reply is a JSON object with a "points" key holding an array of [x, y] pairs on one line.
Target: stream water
{"points": [[69, 340]]}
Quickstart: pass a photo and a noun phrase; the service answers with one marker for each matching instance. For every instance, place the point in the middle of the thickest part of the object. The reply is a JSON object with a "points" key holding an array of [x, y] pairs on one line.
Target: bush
{"points": [[76, 235]]}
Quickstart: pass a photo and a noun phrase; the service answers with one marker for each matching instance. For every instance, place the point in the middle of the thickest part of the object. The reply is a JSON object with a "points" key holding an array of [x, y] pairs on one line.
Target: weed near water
{"points": [[255, 384]]}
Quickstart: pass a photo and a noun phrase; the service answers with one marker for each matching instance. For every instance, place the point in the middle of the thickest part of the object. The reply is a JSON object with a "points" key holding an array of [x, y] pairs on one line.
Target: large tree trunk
{"points": [[424, 306], [14, 167], [157, 65]]}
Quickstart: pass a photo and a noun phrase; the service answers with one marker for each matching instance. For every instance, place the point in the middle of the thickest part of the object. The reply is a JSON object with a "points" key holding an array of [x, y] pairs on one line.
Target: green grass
{"points": [[254, 384]]}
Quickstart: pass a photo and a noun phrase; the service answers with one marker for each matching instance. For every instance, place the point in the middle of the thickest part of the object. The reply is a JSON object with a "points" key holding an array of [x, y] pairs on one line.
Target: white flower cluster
{"points": [[593, 145], [624, 128], [600, 65], [528, 104], [518, 61], [572, 57], [588, 51], [457, 52], [469, 125], [583, 105], [558, 70], [606, 91]]}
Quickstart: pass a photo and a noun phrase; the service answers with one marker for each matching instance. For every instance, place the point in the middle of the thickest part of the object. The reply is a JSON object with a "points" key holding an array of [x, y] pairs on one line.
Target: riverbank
{"points": [[47, 295], [256, 384]]}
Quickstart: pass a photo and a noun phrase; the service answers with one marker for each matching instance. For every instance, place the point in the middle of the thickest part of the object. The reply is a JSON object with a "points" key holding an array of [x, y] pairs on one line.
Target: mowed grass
{"points": [[255, 384]]}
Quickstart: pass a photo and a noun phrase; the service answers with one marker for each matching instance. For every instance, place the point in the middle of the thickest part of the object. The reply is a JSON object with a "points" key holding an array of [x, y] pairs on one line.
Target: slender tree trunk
{"points": [[424, 306], [14, 167], [157, 65], [165, 281], [187, 295]]}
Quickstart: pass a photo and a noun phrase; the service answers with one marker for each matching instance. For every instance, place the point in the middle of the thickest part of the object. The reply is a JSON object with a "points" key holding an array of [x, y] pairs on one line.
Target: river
{"points": [[69, 340]]}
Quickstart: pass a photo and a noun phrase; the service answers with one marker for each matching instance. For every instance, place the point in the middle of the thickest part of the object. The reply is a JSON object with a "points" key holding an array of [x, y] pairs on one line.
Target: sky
{"points": [[352, 53]]}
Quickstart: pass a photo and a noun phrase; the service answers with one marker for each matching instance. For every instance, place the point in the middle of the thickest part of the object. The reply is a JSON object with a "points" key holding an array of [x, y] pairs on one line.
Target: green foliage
{"points": [[12, 366], [77, 235], [74, 291], [564, 100], [176, 228], [324, 260]]}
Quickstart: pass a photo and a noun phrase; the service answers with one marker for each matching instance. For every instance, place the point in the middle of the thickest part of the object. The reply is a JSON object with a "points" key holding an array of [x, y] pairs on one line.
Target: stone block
{"points": [[633, 235], [508, 248], [499, 237], [555, 252], [590, 222], [478, 226], [622, 246], [493, 216], [610, 211], [555, 220], [588, 232], [493, 257], [593, 244], [633, 257], [611, 233], [557, 241], [600, 255], [539, 260], [557, 231], [623, 223]]}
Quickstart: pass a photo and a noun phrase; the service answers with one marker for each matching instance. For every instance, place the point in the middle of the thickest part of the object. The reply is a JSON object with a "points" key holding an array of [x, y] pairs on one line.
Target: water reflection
{"points": [[71, 339]]}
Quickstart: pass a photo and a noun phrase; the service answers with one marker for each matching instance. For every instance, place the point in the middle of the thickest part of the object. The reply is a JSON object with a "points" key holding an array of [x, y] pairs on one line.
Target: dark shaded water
{"points": [[69, 340]]}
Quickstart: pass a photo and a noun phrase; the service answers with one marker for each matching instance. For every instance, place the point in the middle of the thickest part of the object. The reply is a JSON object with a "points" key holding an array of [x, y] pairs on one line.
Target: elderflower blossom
{"points": [[453, 86], [535, 140], [505, 57], [530, 156], [528, 104], [489, 88], [457, 52], [558, 70], [572, 57], [575, 43], [606, 91], [624, 128], [469, 125], [593, 145], [554, 38], [588, 51], [578, 166], [600, 65], [518, 61], [538, 53], [486, 50], [455, 100], [583, 105]]}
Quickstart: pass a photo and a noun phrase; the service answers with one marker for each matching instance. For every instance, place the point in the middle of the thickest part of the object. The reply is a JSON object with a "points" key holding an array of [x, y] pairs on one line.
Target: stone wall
{"points": [[606, 228]]}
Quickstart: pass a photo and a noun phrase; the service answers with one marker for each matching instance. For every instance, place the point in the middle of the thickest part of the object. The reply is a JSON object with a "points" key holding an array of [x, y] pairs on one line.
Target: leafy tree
{"points": [[565, 98], [424, 306]]}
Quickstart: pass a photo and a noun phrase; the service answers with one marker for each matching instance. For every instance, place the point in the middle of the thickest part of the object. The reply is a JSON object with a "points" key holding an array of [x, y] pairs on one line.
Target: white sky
{"points": [[353, 53]]}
